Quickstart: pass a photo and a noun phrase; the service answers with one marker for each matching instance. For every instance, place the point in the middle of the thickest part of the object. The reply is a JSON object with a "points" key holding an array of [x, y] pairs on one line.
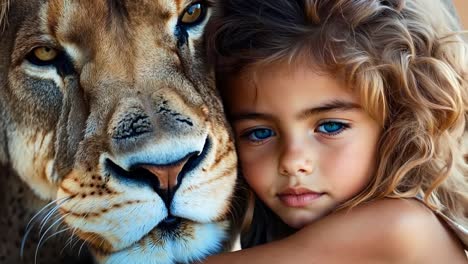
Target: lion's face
{"points": [[109, 108]]}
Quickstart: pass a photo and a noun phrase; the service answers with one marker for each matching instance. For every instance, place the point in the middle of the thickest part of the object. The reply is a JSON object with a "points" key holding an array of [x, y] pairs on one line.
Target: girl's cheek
{"points": [[251, 162]]}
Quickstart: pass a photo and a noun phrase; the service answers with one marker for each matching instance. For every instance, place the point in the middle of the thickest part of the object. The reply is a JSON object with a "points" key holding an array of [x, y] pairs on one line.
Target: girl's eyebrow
{"points": [[250, 116], [335, 105]]}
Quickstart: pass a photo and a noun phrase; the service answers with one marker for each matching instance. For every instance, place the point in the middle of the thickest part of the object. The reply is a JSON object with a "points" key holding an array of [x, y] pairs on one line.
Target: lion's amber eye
{"points": [[193, 14], [45, 54]]}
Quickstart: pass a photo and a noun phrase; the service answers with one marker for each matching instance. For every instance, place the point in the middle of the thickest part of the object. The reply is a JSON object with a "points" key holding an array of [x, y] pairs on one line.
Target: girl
{"points": [[349, 117]]}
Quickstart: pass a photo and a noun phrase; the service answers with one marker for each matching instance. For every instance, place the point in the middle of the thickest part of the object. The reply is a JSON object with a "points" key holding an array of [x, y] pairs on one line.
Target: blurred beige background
{"points": [[462, 9]]}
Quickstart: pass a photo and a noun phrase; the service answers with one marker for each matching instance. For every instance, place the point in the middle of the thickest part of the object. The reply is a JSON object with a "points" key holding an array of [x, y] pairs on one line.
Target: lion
{"points": [[114, 147]]}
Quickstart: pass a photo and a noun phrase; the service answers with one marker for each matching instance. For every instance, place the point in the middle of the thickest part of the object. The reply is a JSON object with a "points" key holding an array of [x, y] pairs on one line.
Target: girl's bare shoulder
{"points": [[396, 230], [383, 231]]}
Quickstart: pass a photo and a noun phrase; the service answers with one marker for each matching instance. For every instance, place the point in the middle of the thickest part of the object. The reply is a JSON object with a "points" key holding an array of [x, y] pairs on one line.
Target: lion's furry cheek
{"points": [[208, 200], [31, 156], [93, 205]]}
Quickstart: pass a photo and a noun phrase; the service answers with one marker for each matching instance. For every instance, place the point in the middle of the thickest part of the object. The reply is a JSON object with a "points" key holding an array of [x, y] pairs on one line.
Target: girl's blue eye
{"points": [[260, 134], [332, 127]]}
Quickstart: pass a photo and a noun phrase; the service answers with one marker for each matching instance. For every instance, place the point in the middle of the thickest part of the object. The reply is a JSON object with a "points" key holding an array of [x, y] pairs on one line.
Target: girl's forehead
{"points": [[284, 75], [286, 70], [275, 85]]}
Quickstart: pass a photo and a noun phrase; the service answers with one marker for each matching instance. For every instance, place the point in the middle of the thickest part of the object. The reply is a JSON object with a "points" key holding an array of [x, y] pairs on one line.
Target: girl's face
{"points": [[305, 145]]}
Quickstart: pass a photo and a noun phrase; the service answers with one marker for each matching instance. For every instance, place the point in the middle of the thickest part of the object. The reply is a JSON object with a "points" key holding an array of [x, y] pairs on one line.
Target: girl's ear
{"points": [[398, 5]]}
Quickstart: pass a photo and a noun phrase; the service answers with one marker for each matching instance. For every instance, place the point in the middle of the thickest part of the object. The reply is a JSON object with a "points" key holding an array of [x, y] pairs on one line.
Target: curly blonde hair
{"points": [[403, 58]]}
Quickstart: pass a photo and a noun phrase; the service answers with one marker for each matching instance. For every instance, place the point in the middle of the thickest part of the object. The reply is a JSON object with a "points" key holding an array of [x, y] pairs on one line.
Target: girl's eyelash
{"points": [[258, 135], [249, 135], [335, 127]]}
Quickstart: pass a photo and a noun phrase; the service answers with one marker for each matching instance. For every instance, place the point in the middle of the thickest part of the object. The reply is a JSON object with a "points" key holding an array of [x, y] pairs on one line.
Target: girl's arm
{"points": [[385, 231]]}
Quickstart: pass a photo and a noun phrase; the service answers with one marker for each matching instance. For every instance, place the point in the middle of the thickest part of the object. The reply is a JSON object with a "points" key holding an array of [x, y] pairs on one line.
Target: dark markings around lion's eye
{"points": [[65, 67], [48, 96], [182, 35], [62, 63]]}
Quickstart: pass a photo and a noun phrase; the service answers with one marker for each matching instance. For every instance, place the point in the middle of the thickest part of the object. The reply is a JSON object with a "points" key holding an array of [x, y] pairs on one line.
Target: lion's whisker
{"points": [[83, 219], [30, 225], [72, 235], [48, 217], [56, 233], [43, 235], [70, 240], [84, 242], [43, 209]]}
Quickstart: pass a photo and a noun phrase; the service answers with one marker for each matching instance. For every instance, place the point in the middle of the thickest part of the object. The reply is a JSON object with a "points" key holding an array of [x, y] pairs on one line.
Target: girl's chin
{"points": [[298, 222]]}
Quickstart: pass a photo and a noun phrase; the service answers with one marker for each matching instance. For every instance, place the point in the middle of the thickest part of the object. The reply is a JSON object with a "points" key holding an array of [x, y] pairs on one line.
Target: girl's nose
{"points": [[295, 162]]}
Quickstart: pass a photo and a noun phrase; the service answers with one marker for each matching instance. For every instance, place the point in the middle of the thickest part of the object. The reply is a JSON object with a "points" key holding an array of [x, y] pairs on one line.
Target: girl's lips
{"points": [[298, 197]]}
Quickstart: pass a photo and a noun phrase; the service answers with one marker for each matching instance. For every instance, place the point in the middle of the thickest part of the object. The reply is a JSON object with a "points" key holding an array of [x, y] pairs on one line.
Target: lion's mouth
{"points": [[166, 228], [169, 223]]}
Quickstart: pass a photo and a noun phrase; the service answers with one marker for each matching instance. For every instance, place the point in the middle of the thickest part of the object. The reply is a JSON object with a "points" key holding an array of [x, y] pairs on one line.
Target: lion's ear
{"points": [[4, 6]]}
